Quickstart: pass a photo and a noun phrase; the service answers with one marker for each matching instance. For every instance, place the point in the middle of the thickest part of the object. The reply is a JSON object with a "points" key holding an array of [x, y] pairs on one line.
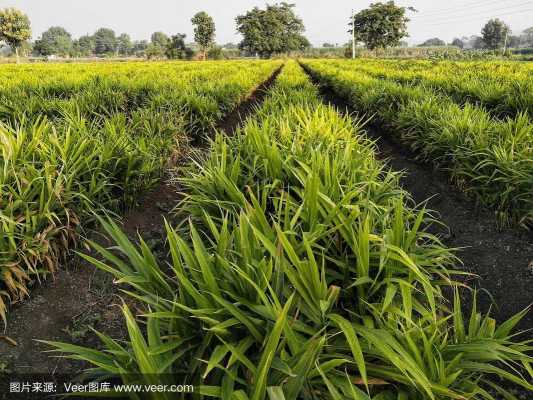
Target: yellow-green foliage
{"points": [[471, 118], [304, 273], [80, 138]]}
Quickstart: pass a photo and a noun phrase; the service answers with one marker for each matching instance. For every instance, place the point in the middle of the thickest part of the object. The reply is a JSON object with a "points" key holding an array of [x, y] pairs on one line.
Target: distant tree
{"points": [[154, 51], [514, 41], [477, 42], [275, 29], [381, 25], [458, 43], [139, 48], [159, 39], [433, 42], [84, 46], [26, 48], [159, 43], [176, 48], [15, 28], [55, 40], [494, 33], [326, 45], [403, 43], [215, 53], [105, 41], [124, 45], [204, 31], [527, 37], [230, 46]]}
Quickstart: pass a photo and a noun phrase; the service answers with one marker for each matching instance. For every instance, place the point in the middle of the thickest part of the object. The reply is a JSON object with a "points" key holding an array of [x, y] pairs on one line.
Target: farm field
{"points": [[277, 201], [301, 267], [89, 138], [472, 119]]}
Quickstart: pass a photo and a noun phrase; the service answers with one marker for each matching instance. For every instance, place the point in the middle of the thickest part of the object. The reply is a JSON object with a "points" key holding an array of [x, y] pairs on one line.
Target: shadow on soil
{"points": [[502, 258], [79, 296]]}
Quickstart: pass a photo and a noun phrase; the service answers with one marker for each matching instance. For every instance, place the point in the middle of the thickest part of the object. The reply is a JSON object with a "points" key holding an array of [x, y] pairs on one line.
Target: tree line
{"points": [[15, 31], [495, 34], [385, 25], [274, 29]]}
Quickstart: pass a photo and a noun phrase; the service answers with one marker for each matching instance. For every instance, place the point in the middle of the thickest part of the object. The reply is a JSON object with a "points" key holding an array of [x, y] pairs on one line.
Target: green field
{"points": [[301, 268]]}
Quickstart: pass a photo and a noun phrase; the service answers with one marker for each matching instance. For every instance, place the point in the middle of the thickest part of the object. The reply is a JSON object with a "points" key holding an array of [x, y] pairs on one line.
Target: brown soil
{"points": [[79, 296], [501, 258], [76, 297], [236, 118]]}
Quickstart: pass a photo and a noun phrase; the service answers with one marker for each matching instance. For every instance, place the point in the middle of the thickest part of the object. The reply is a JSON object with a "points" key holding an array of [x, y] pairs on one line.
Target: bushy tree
{"points": [[381, 25], [204, 31], [154, 51], [527, 37], [15, 28], [215, 53], [494, 33], [176, 48], [477, 42], [433, 42], [230, 46], [514, 41], [275, 29], [124, 45], [458, 43], [55, 40], [105, 41], [157, 48], [139, 48], [159, 39], [84, 46]]}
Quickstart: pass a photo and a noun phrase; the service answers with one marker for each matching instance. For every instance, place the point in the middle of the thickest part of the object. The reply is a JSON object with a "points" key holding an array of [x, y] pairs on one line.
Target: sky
{"points": [[325, 20]]}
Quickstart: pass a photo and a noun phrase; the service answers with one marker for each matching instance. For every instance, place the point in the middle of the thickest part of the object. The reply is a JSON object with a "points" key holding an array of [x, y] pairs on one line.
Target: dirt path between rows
{"points": [[79, 295], [501, 258]]}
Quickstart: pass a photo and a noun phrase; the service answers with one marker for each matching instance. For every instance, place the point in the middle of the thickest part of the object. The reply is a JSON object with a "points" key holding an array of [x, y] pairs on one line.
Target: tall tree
{"points": [[275, 29], [514, 41], [158, 45], [105, 41], [139, 48], [176, 48], [527, 37], [55, 40], [159, 39], [15, 28], [204, 31], [494, 33], [84, 46], [124, 45], [381, 25]]}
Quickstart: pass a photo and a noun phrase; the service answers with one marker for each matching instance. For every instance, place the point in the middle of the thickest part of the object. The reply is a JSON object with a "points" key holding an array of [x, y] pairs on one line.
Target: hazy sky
{"points": [[326, 20]]}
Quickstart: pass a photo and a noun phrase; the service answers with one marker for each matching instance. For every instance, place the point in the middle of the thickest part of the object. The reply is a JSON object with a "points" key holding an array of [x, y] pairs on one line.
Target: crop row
{"points": [[502, 93], [303, 271], [491, 159], [95, 151], [99, 90]]}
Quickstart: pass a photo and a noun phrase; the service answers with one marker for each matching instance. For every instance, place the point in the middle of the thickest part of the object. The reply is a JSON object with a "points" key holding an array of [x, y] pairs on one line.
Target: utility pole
{"points": [[505, 42], [353, 35]]}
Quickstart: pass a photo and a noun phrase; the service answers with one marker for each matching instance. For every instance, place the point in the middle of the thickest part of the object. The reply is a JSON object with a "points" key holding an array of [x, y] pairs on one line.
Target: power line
{"points": [[509, 9], [463, 6], [476, 18]]}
